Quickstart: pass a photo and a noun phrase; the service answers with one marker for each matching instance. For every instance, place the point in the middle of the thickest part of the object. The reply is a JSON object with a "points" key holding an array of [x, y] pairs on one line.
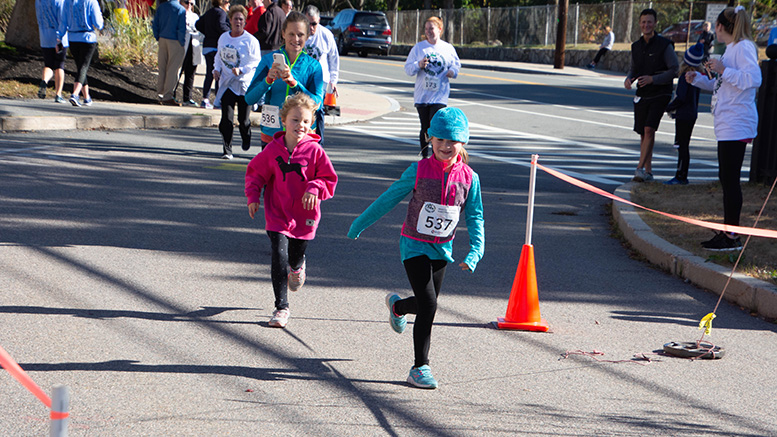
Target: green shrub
{"points": [[129, 43]]}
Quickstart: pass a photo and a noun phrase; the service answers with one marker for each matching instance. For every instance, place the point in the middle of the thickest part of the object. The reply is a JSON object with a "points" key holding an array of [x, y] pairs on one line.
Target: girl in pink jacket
{"points": [[296, 175]]}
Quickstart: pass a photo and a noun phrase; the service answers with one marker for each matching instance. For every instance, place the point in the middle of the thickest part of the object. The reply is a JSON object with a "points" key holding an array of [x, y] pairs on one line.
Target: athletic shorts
{"points": [[648, 112], [54, 59]]}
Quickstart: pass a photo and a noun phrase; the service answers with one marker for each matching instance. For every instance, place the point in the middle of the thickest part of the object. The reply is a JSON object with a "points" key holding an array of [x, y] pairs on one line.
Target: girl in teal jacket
{"points": [[442, 185]]}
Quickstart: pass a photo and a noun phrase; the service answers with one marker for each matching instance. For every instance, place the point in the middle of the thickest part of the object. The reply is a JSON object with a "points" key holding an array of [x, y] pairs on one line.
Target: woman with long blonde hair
{"points": [[734, 87]]}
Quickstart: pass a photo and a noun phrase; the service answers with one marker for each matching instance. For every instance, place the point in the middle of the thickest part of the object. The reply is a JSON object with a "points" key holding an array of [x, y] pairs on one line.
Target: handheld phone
{"points": [[278, 58]]}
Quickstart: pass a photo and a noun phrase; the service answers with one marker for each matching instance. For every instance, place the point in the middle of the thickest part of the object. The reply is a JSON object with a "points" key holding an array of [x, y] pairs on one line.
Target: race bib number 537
{"points": [[438, 220]]}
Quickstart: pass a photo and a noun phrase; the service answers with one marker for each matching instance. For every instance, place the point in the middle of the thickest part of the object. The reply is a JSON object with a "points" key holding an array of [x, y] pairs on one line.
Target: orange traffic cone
{"points": [[523, 308], [330, 100]]}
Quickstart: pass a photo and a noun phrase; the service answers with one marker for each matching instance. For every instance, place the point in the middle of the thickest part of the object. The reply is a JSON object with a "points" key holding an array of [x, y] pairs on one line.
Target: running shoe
{"points": [[280, 318], [591, 66], [42, 90], [639, 175], [59, 99], [226, 156], [245, 146], [296, 278], [722, 243], [88, 101], [206, 104], [421, 377], [398, 323], [190, 102], [74, 101], [676, 181]]}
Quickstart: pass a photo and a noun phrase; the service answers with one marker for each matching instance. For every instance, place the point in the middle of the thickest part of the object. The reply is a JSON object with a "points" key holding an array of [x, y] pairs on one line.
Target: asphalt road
{"points": [[131, 272]]}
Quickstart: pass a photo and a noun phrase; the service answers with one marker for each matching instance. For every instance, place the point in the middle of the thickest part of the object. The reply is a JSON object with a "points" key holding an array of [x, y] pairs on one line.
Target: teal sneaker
{"points": [[398, 323], [421, 377]]}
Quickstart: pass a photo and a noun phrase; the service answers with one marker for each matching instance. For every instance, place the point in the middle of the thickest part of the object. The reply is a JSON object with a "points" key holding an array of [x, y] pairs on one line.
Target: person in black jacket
{"points": [[684, 109], [653, 66], [706, 37], [212, 24], [270, 35]]}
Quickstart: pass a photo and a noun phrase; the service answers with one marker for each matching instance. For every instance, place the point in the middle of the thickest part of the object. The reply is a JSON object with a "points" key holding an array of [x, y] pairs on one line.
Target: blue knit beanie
{"points": [[694, 55], [449, 123]]}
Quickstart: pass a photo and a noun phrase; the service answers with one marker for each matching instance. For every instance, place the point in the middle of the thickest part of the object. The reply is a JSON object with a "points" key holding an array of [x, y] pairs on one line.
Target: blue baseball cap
{"points": [[449, 123]]}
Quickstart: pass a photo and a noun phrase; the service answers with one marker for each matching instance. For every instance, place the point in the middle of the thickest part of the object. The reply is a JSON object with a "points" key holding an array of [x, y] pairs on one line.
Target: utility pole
{"points": [[561, 34]]}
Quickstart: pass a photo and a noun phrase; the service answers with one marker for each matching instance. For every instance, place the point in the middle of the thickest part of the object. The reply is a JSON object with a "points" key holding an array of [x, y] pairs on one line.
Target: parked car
{"points": [[325, 20], [362, 32], [679, 32]]}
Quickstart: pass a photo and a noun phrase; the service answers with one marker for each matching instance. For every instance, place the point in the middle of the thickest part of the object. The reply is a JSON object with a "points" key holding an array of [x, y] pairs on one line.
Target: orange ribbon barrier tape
{"points": [[717, 226], [17, 372], [58, 415]]}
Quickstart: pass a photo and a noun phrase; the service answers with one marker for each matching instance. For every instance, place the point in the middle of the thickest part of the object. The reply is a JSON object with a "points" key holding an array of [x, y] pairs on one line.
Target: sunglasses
{"points": [[313, 24]]}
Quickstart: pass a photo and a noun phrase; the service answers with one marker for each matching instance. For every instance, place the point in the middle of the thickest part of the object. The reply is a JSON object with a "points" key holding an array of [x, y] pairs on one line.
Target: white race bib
{"points": [[431, 83], [438, 220], [270, 117]]}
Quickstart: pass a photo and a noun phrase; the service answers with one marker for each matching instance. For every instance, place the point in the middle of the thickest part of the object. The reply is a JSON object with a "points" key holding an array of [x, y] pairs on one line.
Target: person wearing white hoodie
{"points": [[734, 86], [433, 62], [236, 59]]}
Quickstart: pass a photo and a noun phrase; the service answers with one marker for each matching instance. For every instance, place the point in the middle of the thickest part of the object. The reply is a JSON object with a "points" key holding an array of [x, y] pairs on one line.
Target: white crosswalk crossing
{"points": [[596, 163]]}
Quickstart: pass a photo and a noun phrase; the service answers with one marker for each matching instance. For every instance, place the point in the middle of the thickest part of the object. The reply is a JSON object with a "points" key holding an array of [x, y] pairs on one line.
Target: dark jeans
{"points": [[320, 124], [228, 102], [682, 137], [600, 54], [425, 114], [730, 157], [188, 74], [82, 54], [210, 60], [285, 252], [425, 276]]}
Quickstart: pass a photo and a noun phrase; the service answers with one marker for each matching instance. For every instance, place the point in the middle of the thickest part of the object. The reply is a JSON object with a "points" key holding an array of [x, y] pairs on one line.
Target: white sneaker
{"points": [[226, 156], [280, 318], [296, 278]]}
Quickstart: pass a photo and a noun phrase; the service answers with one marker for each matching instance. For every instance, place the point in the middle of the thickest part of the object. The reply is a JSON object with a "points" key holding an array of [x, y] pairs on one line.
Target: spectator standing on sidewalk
{"points": [[270, 34], [684, 108], [212, 24], [322, 47], [653, 67], [255, 11], [80, 20], [433, 62], [169, 28], [734, 88], [53, 45], [707, 38], [237, 58], [604, 48], [193, 56], [287, 6]]}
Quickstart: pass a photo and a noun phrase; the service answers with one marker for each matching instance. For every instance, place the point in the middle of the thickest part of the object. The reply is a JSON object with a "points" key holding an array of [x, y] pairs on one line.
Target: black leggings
{"points": [[210, 61], [600, 54], [82, 54], [188, 73], [228, 102], [285, 252], [425, 276], [731, 154], [425, 114]]}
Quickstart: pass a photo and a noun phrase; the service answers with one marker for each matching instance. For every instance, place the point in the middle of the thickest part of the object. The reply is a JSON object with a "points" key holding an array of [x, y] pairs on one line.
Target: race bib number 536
{"points": [[438, 220], [270, 117]]}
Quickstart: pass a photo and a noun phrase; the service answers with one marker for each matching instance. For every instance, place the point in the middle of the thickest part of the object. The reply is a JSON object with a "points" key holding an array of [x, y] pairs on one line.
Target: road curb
{"points": [[755, 295]]}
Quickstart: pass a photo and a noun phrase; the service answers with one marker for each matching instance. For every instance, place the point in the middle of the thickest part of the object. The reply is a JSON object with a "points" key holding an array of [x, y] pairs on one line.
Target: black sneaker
{"points": [[721, 243], [42, 89]]}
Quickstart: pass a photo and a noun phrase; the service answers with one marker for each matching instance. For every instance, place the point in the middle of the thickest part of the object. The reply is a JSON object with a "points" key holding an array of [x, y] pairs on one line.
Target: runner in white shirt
{"points": [[322, 47], [433, 62]]}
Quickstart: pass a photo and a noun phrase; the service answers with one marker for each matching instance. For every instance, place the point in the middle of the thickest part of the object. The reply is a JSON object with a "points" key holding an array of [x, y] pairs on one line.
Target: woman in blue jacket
{"points": [[300, 73], [80, 20]]}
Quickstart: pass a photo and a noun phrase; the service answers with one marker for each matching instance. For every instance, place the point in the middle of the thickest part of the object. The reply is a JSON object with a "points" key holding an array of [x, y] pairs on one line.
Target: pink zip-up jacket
{"points": [[286, 178]]}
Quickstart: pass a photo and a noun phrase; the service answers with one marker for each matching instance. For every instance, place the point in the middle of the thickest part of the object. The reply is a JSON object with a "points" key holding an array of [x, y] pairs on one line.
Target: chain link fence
{"points": [[536, 25]]}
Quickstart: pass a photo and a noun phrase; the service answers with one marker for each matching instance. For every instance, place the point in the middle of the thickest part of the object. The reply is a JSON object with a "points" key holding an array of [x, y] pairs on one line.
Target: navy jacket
{"points": [[212, 24]]}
